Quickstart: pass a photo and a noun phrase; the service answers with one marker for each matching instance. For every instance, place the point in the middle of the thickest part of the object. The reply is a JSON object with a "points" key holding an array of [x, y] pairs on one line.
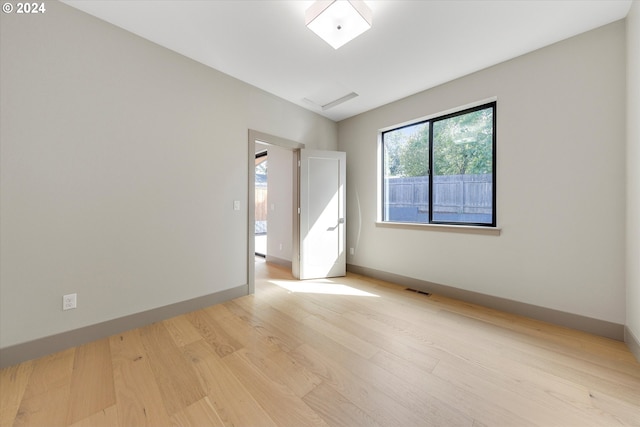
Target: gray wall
{"points": [[560, 190], [633, 173], [120, 162]]}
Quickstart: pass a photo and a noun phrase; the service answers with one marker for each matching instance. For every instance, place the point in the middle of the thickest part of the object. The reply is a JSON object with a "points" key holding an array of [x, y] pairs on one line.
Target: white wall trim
{"points": [[470, 229]]}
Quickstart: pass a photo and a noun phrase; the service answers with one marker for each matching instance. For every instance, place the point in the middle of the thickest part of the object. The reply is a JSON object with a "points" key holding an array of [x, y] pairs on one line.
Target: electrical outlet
{"points": [[69, 301], [351, 251]]}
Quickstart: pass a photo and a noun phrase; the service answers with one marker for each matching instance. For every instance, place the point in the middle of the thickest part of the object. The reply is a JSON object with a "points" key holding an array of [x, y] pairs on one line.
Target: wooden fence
{"points": [[261, 203], [460, 194], [261, 208]]}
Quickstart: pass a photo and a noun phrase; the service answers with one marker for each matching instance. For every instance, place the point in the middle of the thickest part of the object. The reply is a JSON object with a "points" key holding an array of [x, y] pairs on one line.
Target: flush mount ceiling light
{"points": [[338, 21]]}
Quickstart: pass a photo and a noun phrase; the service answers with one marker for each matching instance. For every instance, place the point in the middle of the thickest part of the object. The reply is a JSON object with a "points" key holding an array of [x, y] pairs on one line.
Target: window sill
{"points": [[466, 229]]}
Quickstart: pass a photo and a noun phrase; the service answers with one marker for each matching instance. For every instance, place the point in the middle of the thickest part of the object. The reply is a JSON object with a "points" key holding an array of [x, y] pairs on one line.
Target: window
{"points": [[442, 170]]}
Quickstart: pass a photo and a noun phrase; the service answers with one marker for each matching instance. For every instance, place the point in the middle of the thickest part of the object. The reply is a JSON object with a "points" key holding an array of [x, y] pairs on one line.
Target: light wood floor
{"points": [[295, 357]]}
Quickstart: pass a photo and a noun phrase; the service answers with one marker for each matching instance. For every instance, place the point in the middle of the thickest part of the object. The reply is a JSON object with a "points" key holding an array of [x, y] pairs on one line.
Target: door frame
{"points": [[265, 138]]}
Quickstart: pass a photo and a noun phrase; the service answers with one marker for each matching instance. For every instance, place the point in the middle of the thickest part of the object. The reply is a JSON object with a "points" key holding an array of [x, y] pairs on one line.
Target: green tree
{"points": [[392, 145], [407, 151], [414, 153], [463, 144]]}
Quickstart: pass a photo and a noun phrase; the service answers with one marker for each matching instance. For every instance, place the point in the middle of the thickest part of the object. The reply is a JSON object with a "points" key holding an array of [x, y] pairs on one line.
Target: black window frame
{"points": [[431, 121]]}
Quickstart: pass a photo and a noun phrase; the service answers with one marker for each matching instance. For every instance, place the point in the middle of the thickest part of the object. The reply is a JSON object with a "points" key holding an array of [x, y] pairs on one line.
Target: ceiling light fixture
{"points": [[338, 21]]}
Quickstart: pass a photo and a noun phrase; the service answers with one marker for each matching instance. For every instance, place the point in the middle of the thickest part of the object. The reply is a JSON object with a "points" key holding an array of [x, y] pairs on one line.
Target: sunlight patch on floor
{"points": [[320, 286]]}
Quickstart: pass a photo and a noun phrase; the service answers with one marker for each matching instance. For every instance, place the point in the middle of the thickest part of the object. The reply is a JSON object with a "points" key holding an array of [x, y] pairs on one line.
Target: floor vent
{"points": [[418, 292]]}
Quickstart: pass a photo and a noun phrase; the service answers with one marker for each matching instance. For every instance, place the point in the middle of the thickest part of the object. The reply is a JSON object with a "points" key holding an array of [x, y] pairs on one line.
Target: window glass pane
{"points": [[463, 168], [406, 178]]}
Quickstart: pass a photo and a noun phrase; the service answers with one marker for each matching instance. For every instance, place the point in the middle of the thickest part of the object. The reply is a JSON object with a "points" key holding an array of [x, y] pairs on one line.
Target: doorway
{"points": [[281, 199], [309, 207], [261, 201]]}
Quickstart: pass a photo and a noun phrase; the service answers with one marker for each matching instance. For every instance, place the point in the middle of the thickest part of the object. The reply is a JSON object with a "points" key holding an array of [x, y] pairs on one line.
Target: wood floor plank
{"points": [[482, 409], [232, 402], [266, 346], [107, 417], [282, 369], [248, 330], [46, 397], [285, 322], [355, 324], [426, 403], [198, 414], [569, 338], [210, 330], [178, 382], [421, 342], [366, 395], [13, 383], [487, 354], [243, 333], [433, 407], [182, 331], [591, 376], [251, 303], [586, 368], [339, 335], [92, 388], [138, 396], [336, 409], [285, 369], [282, 405], [526, 400], [613, 410], [515, 361], [273, 335], [581, 346], [289, 305]]}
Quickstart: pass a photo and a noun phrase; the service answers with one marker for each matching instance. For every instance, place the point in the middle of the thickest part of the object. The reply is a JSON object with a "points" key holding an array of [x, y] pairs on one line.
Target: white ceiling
{"points": [[412, 45]]}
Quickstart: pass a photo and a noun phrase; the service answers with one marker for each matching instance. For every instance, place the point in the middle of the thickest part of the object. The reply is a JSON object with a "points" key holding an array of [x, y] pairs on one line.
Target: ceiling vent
{"points": [[325, 104]]}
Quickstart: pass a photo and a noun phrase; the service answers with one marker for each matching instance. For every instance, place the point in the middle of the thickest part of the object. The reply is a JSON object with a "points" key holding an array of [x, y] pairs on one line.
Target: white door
{"points": [[322, 214]]}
